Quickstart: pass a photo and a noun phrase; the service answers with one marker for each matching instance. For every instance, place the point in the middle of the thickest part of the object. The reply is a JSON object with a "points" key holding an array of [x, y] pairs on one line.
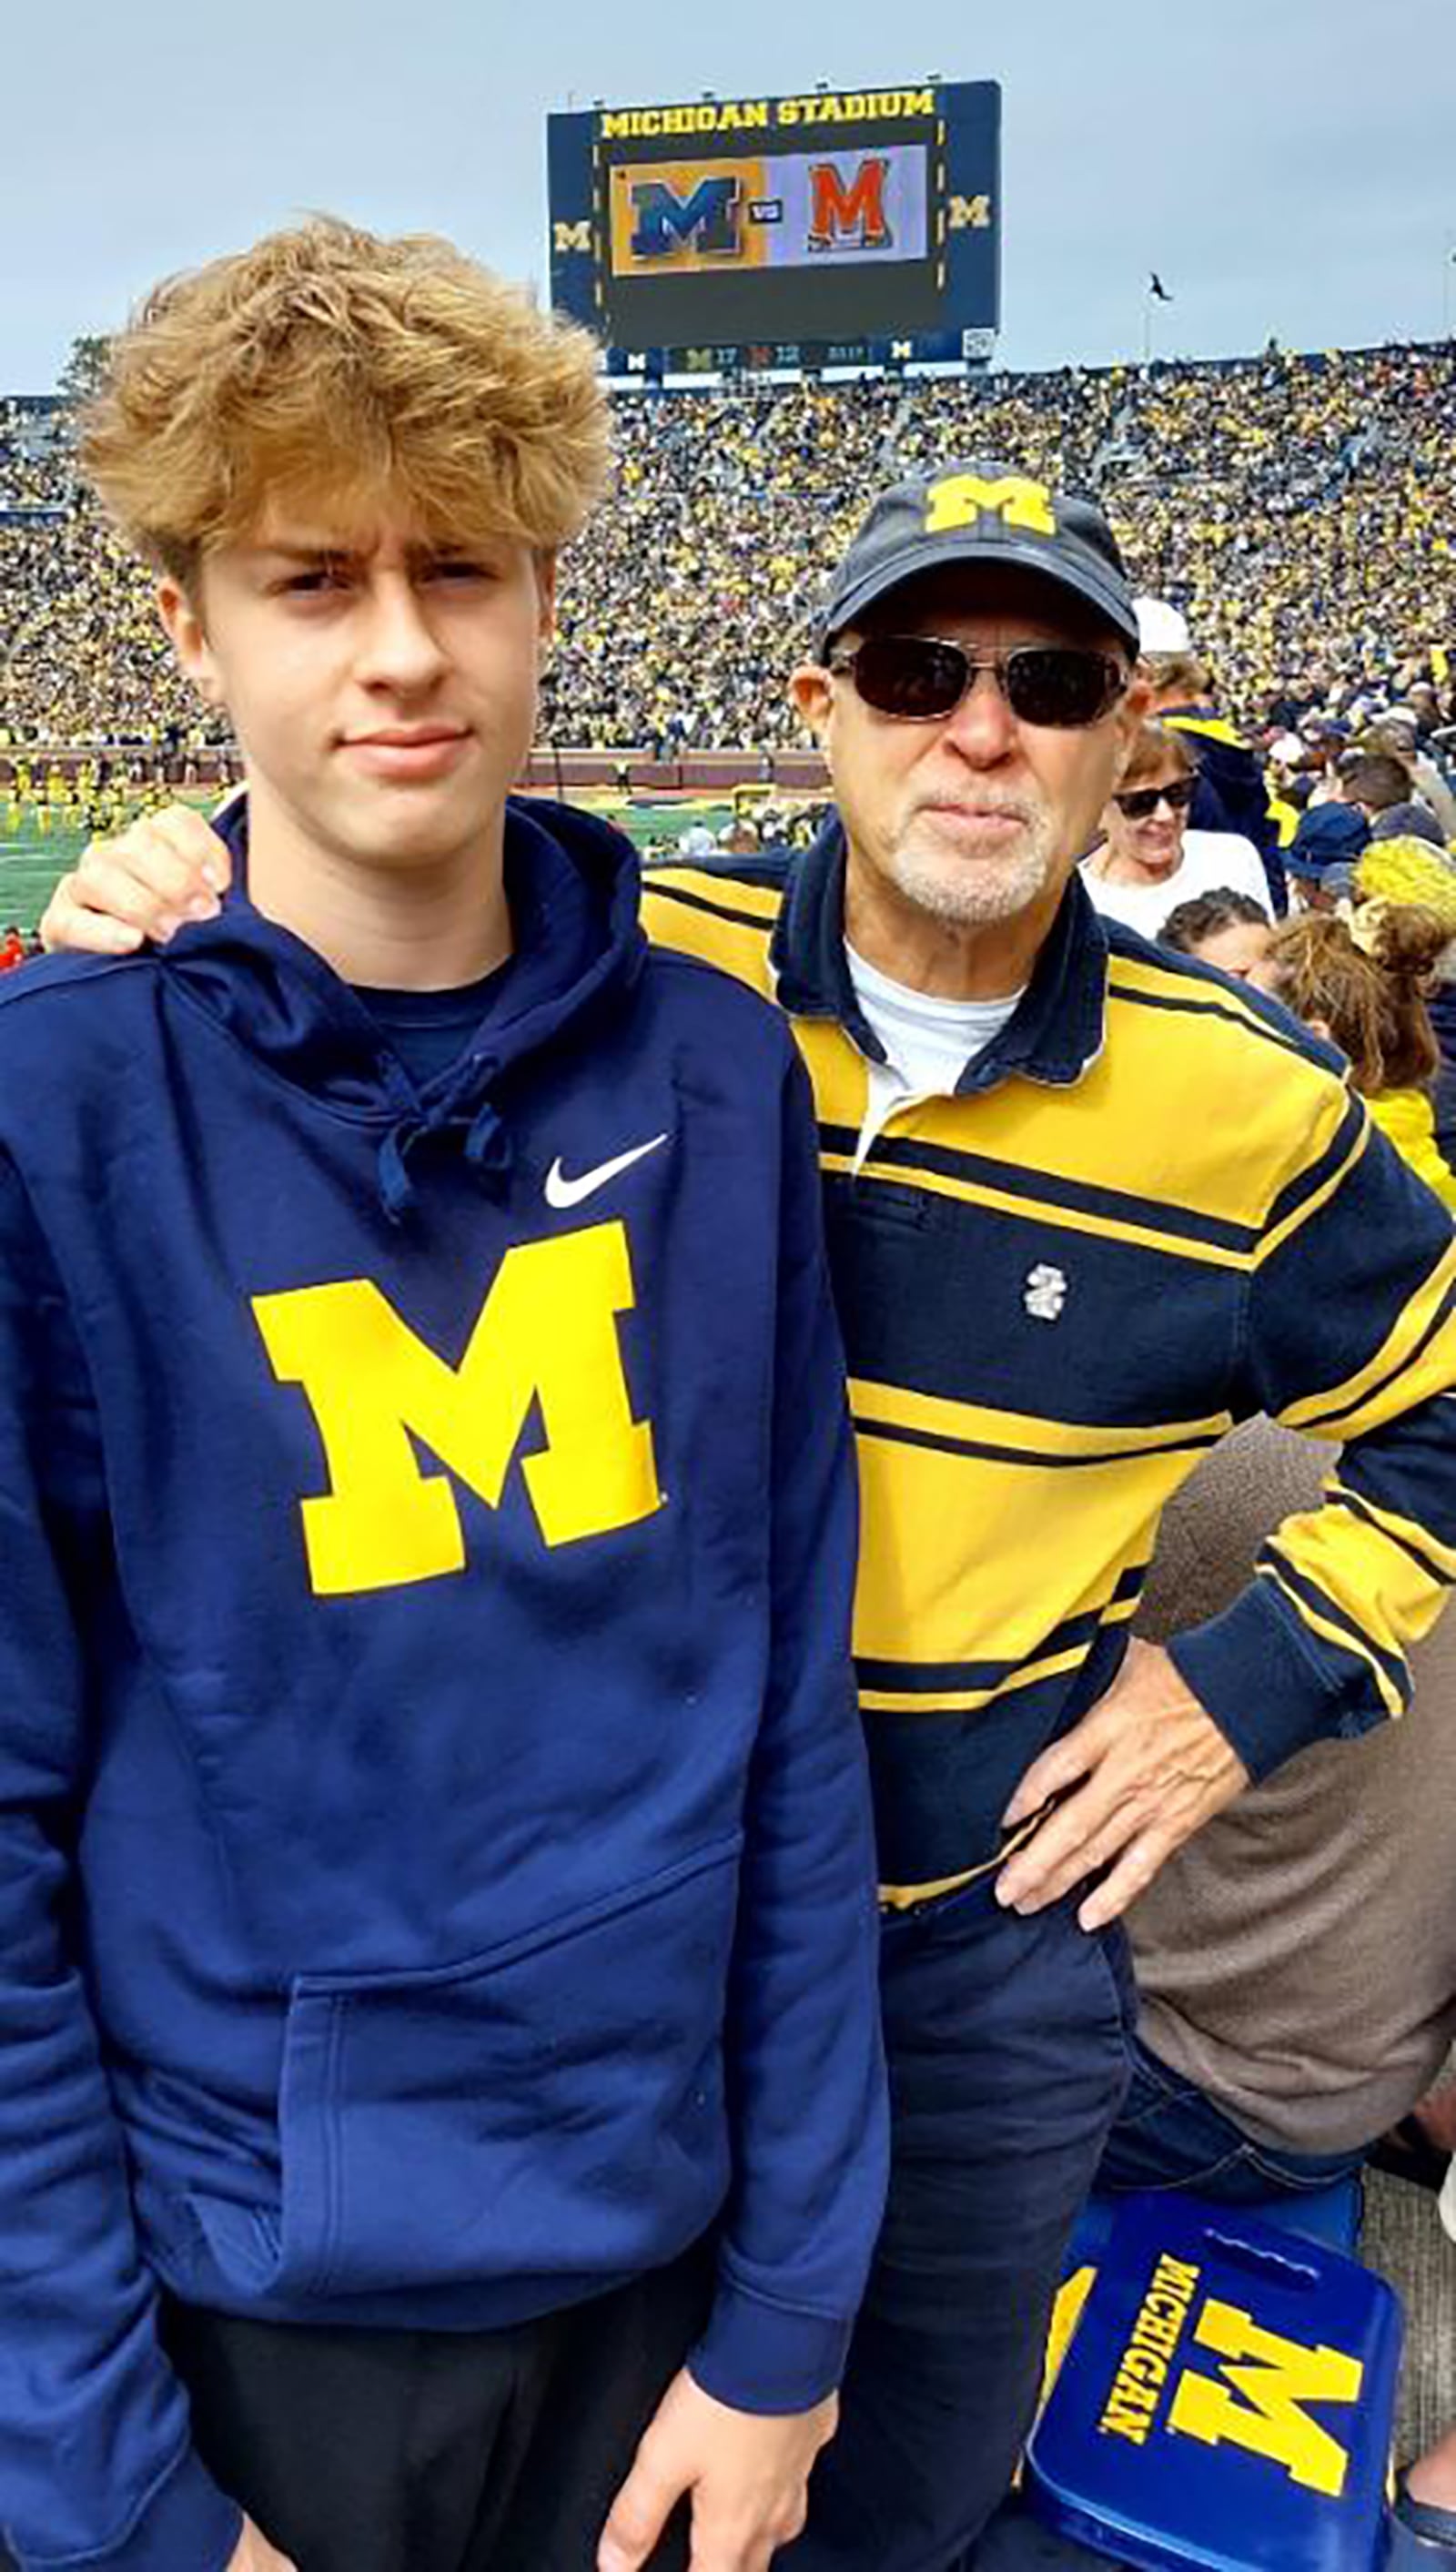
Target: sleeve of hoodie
{"points": [[97, 2468], [806, 2076], [1350, 1337]]}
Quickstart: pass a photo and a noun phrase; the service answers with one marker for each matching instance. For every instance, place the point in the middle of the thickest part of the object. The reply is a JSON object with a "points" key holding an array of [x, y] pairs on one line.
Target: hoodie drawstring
{"points": [[489, 1150]]}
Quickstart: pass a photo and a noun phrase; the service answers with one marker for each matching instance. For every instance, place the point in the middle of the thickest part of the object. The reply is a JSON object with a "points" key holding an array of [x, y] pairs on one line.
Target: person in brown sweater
{"points": [[1297, 1962]]}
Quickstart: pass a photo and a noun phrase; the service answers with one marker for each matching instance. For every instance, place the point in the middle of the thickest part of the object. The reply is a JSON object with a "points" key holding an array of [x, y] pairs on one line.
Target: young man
{"points": [[436, 1886], [1089, 1202]]}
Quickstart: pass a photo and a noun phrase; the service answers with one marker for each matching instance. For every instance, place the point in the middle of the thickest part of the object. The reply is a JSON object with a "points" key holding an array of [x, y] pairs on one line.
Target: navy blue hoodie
{"points": [[435, 1861]]}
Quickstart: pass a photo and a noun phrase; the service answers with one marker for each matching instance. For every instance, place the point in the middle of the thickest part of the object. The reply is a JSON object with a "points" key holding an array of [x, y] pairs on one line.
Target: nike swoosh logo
{"points": [[564, 1193]]}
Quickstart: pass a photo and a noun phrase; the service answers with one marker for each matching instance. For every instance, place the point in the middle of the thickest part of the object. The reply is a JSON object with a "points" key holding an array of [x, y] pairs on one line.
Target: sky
{"points": [[1287, 165]]}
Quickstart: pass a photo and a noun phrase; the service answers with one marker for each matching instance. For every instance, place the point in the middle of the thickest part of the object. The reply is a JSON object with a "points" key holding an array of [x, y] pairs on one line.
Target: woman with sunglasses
{"points": [[1148, 860]]}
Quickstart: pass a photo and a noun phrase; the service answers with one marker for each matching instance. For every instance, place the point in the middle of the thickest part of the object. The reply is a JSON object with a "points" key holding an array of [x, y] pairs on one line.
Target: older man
{"points": [[1087, 1204]]}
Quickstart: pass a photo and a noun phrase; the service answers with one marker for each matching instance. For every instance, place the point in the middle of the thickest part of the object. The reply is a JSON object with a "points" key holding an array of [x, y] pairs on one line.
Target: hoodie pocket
{"points": [[550, 2109]]}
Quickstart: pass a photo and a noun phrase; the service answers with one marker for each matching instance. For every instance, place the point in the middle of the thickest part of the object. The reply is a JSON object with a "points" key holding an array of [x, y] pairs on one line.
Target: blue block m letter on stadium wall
{"points": [[545, 1342], [666, 221]]}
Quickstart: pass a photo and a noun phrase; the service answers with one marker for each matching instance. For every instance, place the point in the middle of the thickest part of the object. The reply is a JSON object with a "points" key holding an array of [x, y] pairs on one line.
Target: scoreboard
{"points": [[847, 228]]}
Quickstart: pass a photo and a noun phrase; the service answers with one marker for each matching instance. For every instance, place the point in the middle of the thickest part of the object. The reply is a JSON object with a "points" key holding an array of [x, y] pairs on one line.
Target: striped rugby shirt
{"points": [[1155, 1206]]}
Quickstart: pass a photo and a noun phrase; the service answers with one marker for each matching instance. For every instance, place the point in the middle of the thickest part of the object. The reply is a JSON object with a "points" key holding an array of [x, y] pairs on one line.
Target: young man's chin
{"points": [[408, 855], [398, 826]]}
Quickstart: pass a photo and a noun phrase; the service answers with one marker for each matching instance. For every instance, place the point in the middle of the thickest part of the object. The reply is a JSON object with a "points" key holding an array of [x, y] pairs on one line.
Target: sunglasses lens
{"points": [[918, 679], [1143, 802], [1061, 688], [910, 676]]}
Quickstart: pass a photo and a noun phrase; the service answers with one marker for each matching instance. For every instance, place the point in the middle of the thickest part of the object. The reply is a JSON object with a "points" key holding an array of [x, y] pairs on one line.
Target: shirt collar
{"points": [[1055, 1035]]}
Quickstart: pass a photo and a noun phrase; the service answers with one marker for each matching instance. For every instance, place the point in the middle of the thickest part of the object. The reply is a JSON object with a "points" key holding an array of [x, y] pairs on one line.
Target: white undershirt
{"points": [[928, 1043], [1212, 862]]}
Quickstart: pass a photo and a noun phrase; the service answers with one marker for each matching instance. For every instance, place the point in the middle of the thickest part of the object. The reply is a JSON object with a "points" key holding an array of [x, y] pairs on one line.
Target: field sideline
{"points": [[31, 860]]}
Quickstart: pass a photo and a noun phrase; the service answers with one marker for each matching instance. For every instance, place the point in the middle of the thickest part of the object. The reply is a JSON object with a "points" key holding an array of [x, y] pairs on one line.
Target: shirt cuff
{"points": [[186, 2525], [761, 2357], [1266, 1694]]}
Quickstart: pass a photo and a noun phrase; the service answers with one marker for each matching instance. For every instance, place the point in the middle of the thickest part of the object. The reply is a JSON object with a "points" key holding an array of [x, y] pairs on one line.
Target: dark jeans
{"points": [[440, 2451], [1007, 2049], [1170, 2135], [1014, 2543]]}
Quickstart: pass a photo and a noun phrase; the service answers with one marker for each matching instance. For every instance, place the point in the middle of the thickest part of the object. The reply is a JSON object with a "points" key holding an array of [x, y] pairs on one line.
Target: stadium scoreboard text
{"points": [[842, 228]]}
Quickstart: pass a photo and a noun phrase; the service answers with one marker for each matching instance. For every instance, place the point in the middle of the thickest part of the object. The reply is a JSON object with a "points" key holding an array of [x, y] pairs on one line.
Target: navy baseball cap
{"points": [[978, 512], [1329, 836]]}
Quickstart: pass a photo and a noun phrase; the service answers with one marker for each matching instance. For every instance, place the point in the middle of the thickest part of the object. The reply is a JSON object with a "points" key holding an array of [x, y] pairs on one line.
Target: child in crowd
{"points": [[1368, 998], [1230, 930]]}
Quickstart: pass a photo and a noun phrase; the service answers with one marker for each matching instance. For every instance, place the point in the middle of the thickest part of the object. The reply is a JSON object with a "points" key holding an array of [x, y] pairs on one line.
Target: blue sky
{"points": [[1286, 168]]}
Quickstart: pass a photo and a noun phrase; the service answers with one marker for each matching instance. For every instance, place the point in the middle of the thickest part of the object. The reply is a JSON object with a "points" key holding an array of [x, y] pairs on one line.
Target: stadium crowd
{"points": [[82, 658], [1296, 509]]}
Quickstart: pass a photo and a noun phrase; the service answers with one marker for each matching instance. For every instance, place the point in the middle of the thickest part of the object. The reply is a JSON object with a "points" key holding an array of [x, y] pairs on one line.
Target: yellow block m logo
{"points": [[958, 499], [566, 238], [548, 1334], [1274, 2378]]}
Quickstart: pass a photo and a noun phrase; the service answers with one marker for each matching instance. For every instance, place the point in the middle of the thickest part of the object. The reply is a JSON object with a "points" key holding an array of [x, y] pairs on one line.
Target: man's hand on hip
{"points": [[747, 2479], [1140, 1773]]}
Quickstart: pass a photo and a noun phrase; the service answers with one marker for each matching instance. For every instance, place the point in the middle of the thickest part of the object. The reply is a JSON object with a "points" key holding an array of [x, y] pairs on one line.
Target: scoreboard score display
{"points": [[845, 227]]}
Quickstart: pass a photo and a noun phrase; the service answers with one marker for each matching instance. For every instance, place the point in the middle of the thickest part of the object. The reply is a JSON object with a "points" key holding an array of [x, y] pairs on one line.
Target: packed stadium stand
{"points": [[1298, 509]]}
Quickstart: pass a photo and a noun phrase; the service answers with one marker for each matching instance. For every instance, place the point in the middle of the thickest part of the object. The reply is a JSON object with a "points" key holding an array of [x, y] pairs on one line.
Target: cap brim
{"points": [[1080, 580]]}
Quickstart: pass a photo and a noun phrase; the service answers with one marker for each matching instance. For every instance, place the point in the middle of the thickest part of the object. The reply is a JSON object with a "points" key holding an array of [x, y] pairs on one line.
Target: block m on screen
{"points": [[784, 210]]}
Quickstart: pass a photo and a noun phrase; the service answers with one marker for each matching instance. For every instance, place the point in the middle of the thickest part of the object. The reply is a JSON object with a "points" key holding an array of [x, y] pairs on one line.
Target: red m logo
{"points": [[855, 213]]}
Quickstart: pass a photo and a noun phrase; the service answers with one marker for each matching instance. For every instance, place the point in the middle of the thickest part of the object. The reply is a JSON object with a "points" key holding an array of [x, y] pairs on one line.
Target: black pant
{"points": [[440, 2451]]}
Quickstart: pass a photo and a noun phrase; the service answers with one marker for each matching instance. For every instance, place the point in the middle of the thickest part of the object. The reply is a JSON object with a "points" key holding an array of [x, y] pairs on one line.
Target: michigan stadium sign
{"points": [[850, 227]]}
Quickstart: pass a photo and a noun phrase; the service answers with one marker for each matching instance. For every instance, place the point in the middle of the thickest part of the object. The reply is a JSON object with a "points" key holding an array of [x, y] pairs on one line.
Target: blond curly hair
{"points": [[327, 362]]}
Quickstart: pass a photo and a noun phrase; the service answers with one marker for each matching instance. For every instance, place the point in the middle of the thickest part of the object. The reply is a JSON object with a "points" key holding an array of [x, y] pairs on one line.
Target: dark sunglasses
{"points": [[1142, 802], [919, 679]]}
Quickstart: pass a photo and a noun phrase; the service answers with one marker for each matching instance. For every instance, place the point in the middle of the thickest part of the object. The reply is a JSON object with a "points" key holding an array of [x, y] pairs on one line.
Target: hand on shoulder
{"points": [[167, 869]]}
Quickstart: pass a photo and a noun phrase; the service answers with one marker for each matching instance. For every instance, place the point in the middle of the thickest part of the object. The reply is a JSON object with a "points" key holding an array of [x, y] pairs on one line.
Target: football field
{"points": [[29, 866], [32, 859]]}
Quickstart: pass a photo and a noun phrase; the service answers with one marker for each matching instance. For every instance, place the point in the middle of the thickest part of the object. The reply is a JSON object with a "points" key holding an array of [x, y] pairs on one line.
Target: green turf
{"points": [[663, 818], [30, 861], [29, 866]]}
